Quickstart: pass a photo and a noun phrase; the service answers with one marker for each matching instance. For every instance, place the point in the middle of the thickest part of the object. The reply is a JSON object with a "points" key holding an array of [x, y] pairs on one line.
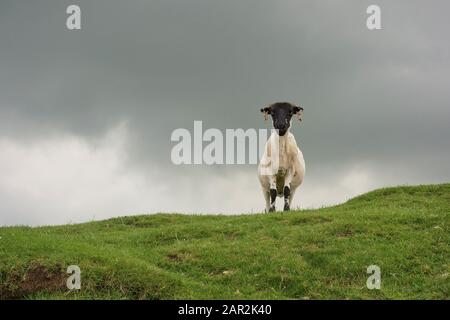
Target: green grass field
{"points": [[308, 254]]}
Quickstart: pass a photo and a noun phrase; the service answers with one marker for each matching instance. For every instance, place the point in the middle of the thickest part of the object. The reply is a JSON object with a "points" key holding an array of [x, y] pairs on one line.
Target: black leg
{"points": [[273, 197], [287, 193]]}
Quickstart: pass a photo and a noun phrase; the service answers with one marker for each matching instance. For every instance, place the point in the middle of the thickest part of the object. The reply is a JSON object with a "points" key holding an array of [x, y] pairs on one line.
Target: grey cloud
{"points": [[372, 97]]}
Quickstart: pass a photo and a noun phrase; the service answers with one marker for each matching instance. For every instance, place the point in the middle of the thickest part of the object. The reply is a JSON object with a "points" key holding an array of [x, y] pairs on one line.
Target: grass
{"points": [[308, 254]]}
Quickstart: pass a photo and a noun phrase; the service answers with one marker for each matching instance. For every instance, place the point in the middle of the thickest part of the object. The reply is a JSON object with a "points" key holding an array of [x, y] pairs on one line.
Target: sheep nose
{"points": [[278, 123]]}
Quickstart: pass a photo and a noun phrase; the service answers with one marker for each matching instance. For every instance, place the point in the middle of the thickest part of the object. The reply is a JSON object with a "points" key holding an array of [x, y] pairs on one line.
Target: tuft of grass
{"points": [[309, 254]]}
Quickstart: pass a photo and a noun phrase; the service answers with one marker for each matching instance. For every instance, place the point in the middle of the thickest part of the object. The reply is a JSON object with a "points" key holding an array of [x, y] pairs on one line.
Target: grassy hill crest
{"points": [[308, 254]]}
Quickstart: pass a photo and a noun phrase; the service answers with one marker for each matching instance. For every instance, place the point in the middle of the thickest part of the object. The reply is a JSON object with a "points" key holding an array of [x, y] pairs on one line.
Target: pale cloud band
{"points": [[68, 179]]}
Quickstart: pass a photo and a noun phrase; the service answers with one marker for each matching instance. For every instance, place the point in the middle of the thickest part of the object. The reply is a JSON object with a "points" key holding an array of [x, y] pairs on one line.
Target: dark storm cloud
{"points": [[378, 97]]}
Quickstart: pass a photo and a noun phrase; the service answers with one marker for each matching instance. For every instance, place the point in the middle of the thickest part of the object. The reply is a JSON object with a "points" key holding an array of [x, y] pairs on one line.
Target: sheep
{"points": [[282, 167]]}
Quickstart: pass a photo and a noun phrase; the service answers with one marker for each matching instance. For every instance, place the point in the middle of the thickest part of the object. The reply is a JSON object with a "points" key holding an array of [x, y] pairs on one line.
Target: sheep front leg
{"points": [[273, 192], [287, 190]]}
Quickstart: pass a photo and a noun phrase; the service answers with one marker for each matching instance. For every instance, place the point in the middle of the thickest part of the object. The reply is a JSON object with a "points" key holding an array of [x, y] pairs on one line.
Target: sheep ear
{"points": [[266, 111], [298, 111]]}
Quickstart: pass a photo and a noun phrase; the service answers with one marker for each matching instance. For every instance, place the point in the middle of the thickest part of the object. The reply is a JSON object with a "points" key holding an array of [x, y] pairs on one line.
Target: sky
{"points": [[86, 115]]}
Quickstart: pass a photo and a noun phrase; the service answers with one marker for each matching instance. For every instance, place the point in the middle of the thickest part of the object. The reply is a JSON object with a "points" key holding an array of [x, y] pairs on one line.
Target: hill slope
{"points": [[309, 254]]}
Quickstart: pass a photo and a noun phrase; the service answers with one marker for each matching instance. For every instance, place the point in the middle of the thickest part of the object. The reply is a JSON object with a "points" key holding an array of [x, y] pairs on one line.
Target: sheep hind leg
{"points": [[291, 196], [267, 199]]}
